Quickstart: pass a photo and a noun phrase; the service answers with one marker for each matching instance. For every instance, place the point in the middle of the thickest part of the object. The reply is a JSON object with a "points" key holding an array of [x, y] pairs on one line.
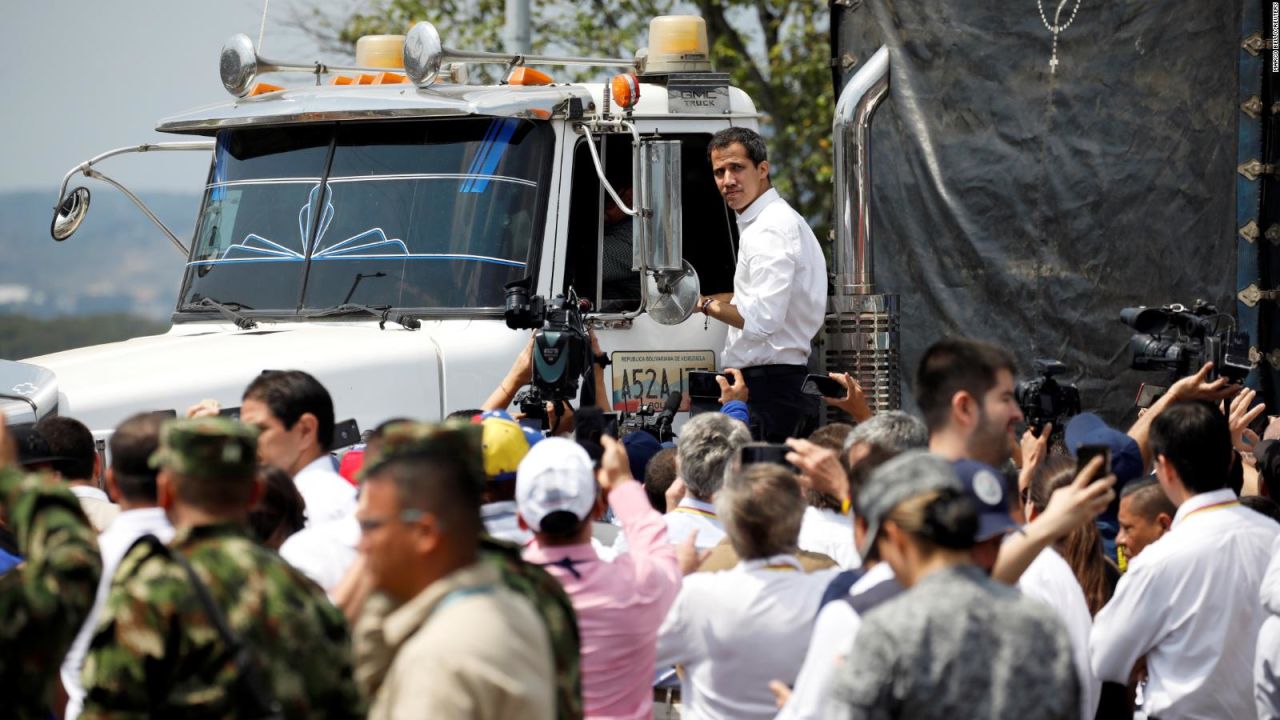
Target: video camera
{"points": [[647, 419], [1045, 400], [561, 348], [1181, 340]]}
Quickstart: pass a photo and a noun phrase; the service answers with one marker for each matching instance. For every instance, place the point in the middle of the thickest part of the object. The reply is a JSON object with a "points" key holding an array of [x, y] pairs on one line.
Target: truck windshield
{"points": [[425, 214]]}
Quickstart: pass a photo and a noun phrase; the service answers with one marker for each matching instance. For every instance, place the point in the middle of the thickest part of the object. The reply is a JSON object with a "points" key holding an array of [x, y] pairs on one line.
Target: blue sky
{"points": [[85, 76]]}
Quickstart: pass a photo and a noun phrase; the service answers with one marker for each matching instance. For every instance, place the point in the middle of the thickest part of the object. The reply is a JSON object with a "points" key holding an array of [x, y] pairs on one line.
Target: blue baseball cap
{"points": [[987, 486], [641, 447], [1089, 429]]}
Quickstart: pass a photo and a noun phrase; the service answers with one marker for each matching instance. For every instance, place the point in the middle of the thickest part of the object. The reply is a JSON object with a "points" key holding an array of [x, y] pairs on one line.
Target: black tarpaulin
{"points": [[1027, 207]]}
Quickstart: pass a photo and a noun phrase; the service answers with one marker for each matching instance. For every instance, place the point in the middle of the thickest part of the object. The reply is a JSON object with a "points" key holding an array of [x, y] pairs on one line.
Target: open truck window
{"points": [[710, 232], [430, 215]]}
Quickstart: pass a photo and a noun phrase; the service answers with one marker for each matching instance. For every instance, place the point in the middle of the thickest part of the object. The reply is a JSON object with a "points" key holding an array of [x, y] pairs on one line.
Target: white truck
{"points": [[361, 225]]}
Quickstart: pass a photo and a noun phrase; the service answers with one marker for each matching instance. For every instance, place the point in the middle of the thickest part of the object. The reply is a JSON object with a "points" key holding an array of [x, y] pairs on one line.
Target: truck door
{"points": [[649, 359]]}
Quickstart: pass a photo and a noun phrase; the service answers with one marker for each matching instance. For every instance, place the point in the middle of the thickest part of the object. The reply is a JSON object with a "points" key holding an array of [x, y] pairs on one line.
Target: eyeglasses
{"points": [[368, 525]]}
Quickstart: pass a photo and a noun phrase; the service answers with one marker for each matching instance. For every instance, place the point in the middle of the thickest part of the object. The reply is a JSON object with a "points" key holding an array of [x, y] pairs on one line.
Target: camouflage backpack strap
{"points": [[251, 696]]}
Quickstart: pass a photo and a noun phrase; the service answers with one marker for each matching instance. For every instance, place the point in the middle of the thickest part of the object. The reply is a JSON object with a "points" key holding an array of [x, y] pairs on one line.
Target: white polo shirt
{"points": [[329, 497], [779, 286], [735, 630], [324, 552], [1189, 603]]}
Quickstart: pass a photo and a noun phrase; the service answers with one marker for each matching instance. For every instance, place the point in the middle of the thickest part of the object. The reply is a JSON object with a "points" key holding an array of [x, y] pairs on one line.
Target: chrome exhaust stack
{"points": [[862, 325]]}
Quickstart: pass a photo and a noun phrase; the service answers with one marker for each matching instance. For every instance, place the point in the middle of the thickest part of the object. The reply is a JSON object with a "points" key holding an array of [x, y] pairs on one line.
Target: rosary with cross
{"points": [[1055, 28]]}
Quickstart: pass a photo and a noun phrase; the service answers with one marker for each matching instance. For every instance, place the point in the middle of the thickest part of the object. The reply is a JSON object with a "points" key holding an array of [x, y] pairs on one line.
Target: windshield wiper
{"points": [[382, 312], [227, 311]]}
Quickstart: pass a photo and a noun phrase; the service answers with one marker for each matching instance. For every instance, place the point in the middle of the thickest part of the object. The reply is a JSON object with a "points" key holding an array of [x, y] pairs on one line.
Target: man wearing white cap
{"points": [[619, 604]]}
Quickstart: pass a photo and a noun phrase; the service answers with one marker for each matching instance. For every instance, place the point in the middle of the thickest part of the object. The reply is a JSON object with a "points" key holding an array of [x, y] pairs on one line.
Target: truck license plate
{"points": [[648, 377]]}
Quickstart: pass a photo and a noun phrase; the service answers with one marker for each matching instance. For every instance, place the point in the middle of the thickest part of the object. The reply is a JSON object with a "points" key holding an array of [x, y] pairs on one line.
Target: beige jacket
{"points": [[97, 506], [465, 647]]}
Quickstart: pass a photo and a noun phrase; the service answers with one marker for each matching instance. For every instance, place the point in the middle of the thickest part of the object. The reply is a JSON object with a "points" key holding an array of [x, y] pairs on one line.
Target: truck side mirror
{"points": [[69, 213], [661, 222]]}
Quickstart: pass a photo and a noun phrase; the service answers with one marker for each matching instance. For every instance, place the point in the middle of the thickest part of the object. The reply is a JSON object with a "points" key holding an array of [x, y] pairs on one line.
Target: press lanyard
{"points": [[1215, 506]]}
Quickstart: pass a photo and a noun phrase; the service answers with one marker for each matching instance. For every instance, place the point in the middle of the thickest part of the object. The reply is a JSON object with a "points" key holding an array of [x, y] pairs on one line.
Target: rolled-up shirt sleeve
{"points": [[771, 269], [1128, 626]]}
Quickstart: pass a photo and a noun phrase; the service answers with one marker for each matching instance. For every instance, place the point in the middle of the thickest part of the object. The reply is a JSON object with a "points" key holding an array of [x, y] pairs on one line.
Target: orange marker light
{"points": [[625, 89], [528, 76], [263, 88]]}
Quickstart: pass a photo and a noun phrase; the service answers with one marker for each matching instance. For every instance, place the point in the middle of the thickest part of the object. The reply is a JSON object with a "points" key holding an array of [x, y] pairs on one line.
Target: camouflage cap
{"points": [[458, 440], [911, 473], [211, 448]]}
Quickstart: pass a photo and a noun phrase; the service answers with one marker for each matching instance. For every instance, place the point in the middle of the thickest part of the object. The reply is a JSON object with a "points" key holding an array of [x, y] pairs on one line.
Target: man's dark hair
{"points": [[71, 444], [1195, 438], [859, 473], [441, 482], [1262, 505], [952, 365], [1147, 499], [281, 505], [464, 415], [1235, 476], [749, 139], [658, 476], [291, 393], [132, 445], [832, 437]]}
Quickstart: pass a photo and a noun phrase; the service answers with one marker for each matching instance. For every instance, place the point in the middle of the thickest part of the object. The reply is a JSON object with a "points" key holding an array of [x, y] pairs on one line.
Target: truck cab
{"points": [[364, 228]]}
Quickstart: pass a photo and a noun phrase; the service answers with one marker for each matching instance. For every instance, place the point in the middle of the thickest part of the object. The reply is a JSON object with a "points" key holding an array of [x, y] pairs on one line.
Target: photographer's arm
{"points": [[602, 397], [1069, 507], [520, 374], [1192, 387]]}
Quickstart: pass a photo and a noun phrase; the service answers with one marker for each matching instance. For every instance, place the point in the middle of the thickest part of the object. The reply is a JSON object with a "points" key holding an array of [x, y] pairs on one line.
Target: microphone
{"points": [[668, 414]]}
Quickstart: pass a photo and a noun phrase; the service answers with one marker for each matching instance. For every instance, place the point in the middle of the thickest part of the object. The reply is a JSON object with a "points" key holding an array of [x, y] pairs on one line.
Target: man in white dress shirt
{"points": [[1190, 601], [779, 294], [133, 484], [736, 630], [294, 416]]}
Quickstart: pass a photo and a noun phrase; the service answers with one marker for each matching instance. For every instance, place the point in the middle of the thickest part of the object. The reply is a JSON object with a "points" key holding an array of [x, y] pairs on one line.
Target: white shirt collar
{"points": [[130, 522], [746, 217], [695, 504], [89, 492], [773, 562], [1201, 501], [323, 464]]}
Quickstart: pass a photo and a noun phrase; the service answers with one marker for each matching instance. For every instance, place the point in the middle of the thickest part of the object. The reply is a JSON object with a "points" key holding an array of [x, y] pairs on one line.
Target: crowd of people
{"points": [[902, 565]]}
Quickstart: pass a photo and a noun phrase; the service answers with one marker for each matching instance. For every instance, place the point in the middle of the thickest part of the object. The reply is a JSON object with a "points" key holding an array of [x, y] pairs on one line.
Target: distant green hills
{"points": [[23, 336], [118, 263]]}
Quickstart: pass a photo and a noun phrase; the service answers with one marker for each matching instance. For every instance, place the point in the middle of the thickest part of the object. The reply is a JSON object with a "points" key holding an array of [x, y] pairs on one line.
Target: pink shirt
{"points": [[620, 606]]}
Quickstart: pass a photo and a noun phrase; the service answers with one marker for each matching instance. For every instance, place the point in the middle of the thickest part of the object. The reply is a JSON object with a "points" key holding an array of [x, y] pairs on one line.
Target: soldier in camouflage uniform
{"points": [[44, 601], [159, 651]]}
